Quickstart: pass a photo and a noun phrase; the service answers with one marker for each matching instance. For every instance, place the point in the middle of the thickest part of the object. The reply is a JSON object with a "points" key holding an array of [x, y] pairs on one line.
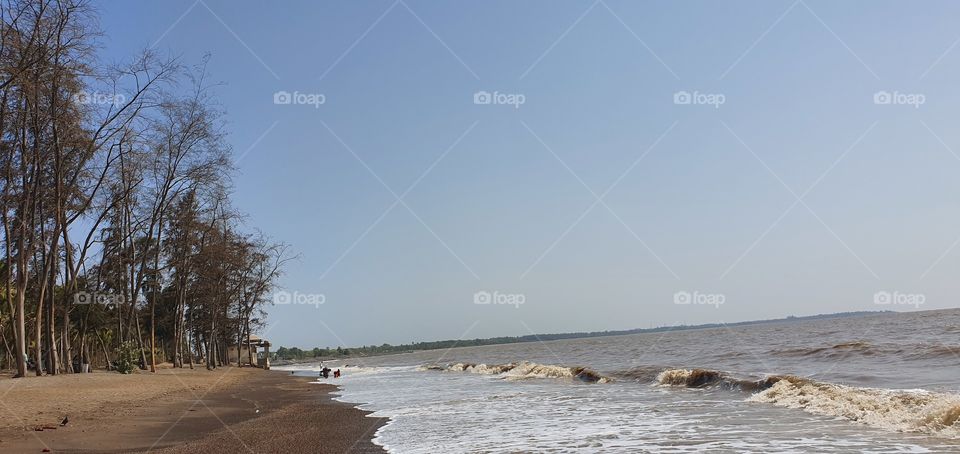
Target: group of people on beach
{"points": [[325, 372]]}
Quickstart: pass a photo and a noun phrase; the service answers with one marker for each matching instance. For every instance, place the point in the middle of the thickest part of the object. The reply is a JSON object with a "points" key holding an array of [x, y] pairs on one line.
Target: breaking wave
{"points": [[704, 378], [643, 374], [524, 370], [898, 410]]}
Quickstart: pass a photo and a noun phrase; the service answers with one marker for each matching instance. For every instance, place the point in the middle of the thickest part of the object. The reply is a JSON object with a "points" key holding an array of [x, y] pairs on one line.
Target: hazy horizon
{"points": [[590, 163], [625, 331]]}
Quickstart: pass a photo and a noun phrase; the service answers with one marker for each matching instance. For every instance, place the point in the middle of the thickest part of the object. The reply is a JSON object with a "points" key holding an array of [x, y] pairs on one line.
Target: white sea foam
{"points": [[434, 411], [899, 410], [486, 403]]}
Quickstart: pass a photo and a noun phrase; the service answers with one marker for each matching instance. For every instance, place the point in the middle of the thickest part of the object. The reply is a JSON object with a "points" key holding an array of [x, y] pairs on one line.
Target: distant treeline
{"points": [[294, 353]]}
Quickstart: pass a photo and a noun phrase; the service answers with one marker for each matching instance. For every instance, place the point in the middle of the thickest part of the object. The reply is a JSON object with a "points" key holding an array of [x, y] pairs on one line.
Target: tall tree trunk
{"points": [[67, 356], [6, 346], [143, 354], [153, 300], [38, 320], [103, 347], [190, 340], [249, 346], [52, 357], [16, 310], [21, 325], [38, 325]]}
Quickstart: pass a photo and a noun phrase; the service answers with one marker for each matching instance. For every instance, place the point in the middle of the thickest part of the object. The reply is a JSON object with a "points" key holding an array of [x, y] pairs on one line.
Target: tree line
{"points": [[119, 235], [296, 354]]}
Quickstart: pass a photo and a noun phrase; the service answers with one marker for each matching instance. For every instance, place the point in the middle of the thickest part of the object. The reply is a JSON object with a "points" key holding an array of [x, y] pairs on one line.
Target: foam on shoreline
{"points": [[897, 410]]}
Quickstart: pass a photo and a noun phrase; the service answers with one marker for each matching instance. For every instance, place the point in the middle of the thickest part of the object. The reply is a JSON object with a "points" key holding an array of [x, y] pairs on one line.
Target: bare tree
{"points": [[146, 169]]}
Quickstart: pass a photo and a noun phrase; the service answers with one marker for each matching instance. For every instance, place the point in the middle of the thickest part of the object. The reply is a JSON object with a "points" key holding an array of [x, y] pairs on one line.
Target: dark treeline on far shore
{"points": [[296, 354], [120, 246]]}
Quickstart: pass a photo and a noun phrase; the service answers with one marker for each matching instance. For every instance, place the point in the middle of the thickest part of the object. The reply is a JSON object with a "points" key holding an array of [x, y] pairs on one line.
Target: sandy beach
{"points": [[180, 411]]}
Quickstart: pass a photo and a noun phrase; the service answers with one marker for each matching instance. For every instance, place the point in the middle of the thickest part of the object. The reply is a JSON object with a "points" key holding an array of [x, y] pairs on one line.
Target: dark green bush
{"points": [[128, 357]]}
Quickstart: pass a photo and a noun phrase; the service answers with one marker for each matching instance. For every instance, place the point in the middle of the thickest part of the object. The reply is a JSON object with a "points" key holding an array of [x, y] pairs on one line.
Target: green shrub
{"points": [[128, 357]]}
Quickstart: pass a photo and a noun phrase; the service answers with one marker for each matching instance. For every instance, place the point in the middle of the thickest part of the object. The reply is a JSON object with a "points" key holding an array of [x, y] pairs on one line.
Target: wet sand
{"points": [[229, 410]]}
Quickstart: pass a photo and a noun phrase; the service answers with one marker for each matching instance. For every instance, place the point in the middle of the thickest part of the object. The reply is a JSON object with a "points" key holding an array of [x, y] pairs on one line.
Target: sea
{"points": [[881, 383]]}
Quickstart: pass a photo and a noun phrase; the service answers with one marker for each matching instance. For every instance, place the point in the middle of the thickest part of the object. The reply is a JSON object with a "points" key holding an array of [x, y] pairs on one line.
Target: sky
{"points": [[580, 165]]}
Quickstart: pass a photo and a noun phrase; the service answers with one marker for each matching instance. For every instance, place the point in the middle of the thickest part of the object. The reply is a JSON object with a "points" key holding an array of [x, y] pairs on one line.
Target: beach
{"points": [[180, 411]]}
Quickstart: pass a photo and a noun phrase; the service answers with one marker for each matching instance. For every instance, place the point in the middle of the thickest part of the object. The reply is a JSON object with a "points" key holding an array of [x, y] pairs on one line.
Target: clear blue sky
{"points": [[706, 198]]}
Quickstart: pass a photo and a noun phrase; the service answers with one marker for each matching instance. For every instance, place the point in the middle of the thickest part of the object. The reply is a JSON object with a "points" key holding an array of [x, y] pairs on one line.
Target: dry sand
{"points": [[229, 410]]}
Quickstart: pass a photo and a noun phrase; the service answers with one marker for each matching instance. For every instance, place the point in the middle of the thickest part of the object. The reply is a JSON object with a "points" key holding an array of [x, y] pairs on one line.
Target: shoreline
{"points": [[181, 411]]}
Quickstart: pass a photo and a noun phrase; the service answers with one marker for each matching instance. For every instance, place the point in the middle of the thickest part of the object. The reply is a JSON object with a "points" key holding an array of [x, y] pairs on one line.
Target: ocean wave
{"points": [[690, 378], [838, 351], [523, 370], [643, 374], [704, 378], [852, 349], [899, 410], [936, 351]]}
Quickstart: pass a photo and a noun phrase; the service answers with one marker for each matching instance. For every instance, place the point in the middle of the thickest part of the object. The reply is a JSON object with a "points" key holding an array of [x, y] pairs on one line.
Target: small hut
{"points": [[256, 348]]}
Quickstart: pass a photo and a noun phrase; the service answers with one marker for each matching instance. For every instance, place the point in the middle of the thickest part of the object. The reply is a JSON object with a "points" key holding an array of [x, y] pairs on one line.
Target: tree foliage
{"points": [[117, 224]]}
